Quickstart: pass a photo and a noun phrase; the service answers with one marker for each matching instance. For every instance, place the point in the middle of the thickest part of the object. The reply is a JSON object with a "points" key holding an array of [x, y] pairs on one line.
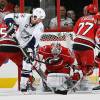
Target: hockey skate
{"points": [[28, 87], [96, 88], [64, 92], [69, 84], [24, 89], [46, 88]]}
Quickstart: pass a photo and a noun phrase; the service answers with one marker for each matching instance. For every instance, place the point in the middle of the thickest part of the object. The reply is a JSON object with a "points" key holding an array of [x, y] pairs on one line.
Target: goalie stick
{"points": [[97, 47], [78, 82], [73, 88]]}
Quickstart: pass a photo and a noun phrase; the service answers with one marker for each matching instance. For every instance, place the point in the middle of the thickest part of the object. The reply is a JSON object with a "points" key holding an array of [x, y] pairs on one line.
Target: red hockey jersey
{"points": [[66, 57], [5, 39], [85, 30], [98, 36]]}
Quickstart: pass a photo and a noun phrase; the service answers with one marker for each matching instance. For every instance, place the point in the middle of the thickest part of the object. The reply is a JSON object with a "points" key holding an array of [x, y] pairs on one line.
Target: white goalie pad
{"points": [[56, 79]]}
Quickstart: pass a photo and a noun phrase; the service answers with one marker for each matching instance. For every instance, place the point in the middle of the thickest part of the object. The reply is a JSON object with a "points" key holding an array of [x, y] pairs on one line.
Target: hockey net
{"points": [[50, 37], [46, 39], [61, 37], [65, 39]]}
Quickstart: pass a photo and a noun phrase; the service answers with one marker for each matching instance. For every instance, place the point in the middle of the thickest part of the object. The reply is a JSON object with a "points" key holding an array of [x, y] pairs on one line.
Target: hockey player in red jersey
{"points": [[58, 61], [84, 41], [97, 58], [10, 50]]}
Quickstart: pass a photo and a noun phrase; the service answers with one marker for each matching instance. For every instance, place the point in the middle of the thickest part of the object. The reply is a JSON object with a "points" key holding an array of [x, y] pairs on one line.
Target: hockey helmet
{"points": [[39, 13], [56, 48], [92, 9]]}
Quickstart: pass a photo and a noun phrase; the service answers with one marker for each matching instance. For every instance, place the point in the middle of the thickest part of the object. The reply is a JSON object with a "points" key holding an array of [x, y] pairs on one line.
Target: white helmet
{"points": [[56, 48], [39, 13]]}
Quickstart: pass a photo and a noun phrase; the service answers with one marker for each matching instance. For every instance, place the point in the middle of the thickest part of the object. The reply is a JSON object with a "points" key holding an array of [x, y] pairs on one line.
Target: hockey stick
{"points": [[77, 83], [71, 89], [25, 54], [97, 47]]}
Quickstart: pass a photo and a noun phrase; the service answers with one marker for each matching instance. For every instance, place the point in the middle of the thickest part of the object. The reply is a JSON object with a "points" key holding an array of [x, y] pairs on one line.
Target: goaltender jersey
{"points": [[65, 58]]}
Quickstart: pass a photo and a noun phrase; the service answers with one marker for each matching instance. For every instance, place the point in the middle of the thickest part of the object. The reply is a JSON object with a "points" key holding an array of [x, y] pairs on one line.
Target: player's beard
{"points": [[32, 24]]}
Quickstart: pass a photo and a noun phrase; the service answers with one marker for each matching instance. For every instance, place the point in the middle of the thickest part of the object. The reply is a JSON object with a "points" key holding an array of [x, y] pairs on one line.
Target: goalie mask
{"points": [[56, 49]]}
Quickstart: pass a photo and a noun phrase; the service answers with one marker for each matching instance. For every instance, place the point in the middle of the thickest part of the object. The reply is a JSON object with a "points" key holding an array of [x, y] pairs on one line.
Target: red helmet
{"points": [[92, 9], [97, 16]]}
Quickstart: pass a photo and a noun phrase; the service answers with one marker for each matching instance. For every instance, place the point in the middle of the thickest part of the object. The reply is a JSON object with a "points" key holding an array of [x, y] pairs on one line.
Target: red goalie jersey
{"points": [[65, 57]]}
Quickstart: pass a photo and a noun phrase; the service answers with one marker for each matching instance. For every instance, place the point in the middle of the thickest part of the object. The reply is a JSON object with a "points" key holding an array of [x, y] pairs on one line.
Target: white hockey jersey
{"points": [[26, 31]]}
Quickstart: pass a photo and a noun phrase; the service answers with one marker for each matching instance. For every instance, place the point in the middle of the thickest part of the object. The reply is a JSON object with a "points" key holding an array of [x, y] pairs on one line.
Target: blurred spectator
{"points": [[85, 13], [65, 21], [5, 8], [16, 9], [71, 14]]}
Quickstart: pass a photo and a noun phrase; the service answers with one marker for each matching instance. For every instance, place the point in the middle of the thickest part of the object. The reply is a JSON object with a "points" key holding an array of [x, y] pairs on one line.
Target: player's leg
{"points": [[88, 62], [97, 65], [77, 69], [3, 58], [27, 66], [17, 58], [85, 63], [26, 70], [58, 82], [86, 67]]}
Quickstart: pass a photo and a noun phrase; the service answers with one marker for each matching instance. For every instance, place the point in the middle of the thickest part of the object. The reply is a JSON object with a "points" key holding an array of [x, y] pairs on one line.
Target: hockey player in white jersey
{"points": [[28, 33]]}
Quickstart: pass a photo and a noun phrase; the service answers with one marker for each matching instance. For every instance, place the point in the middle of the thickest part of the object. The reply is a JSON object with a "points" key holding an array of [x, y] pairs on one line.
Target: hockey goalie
{"points": [[58, 61]]}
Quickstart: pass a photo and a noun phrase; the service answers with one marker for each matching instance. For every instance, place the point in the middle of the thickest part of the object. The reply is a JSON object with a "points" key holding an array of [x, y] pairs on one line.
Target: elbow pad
{"points": [[9, 22]]}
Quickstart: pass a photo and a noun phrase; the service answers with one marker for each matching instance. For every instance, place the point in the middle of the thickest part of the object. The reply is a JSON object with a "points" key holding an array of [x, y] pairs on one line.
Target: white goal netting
{"points": [[64, 38]]}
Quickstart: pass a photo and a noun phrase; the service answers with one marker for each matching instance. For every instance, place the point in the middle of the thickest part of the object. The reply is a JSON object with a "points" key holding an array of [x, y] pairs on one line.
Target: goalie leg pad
{"points": [[57, 81]]}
